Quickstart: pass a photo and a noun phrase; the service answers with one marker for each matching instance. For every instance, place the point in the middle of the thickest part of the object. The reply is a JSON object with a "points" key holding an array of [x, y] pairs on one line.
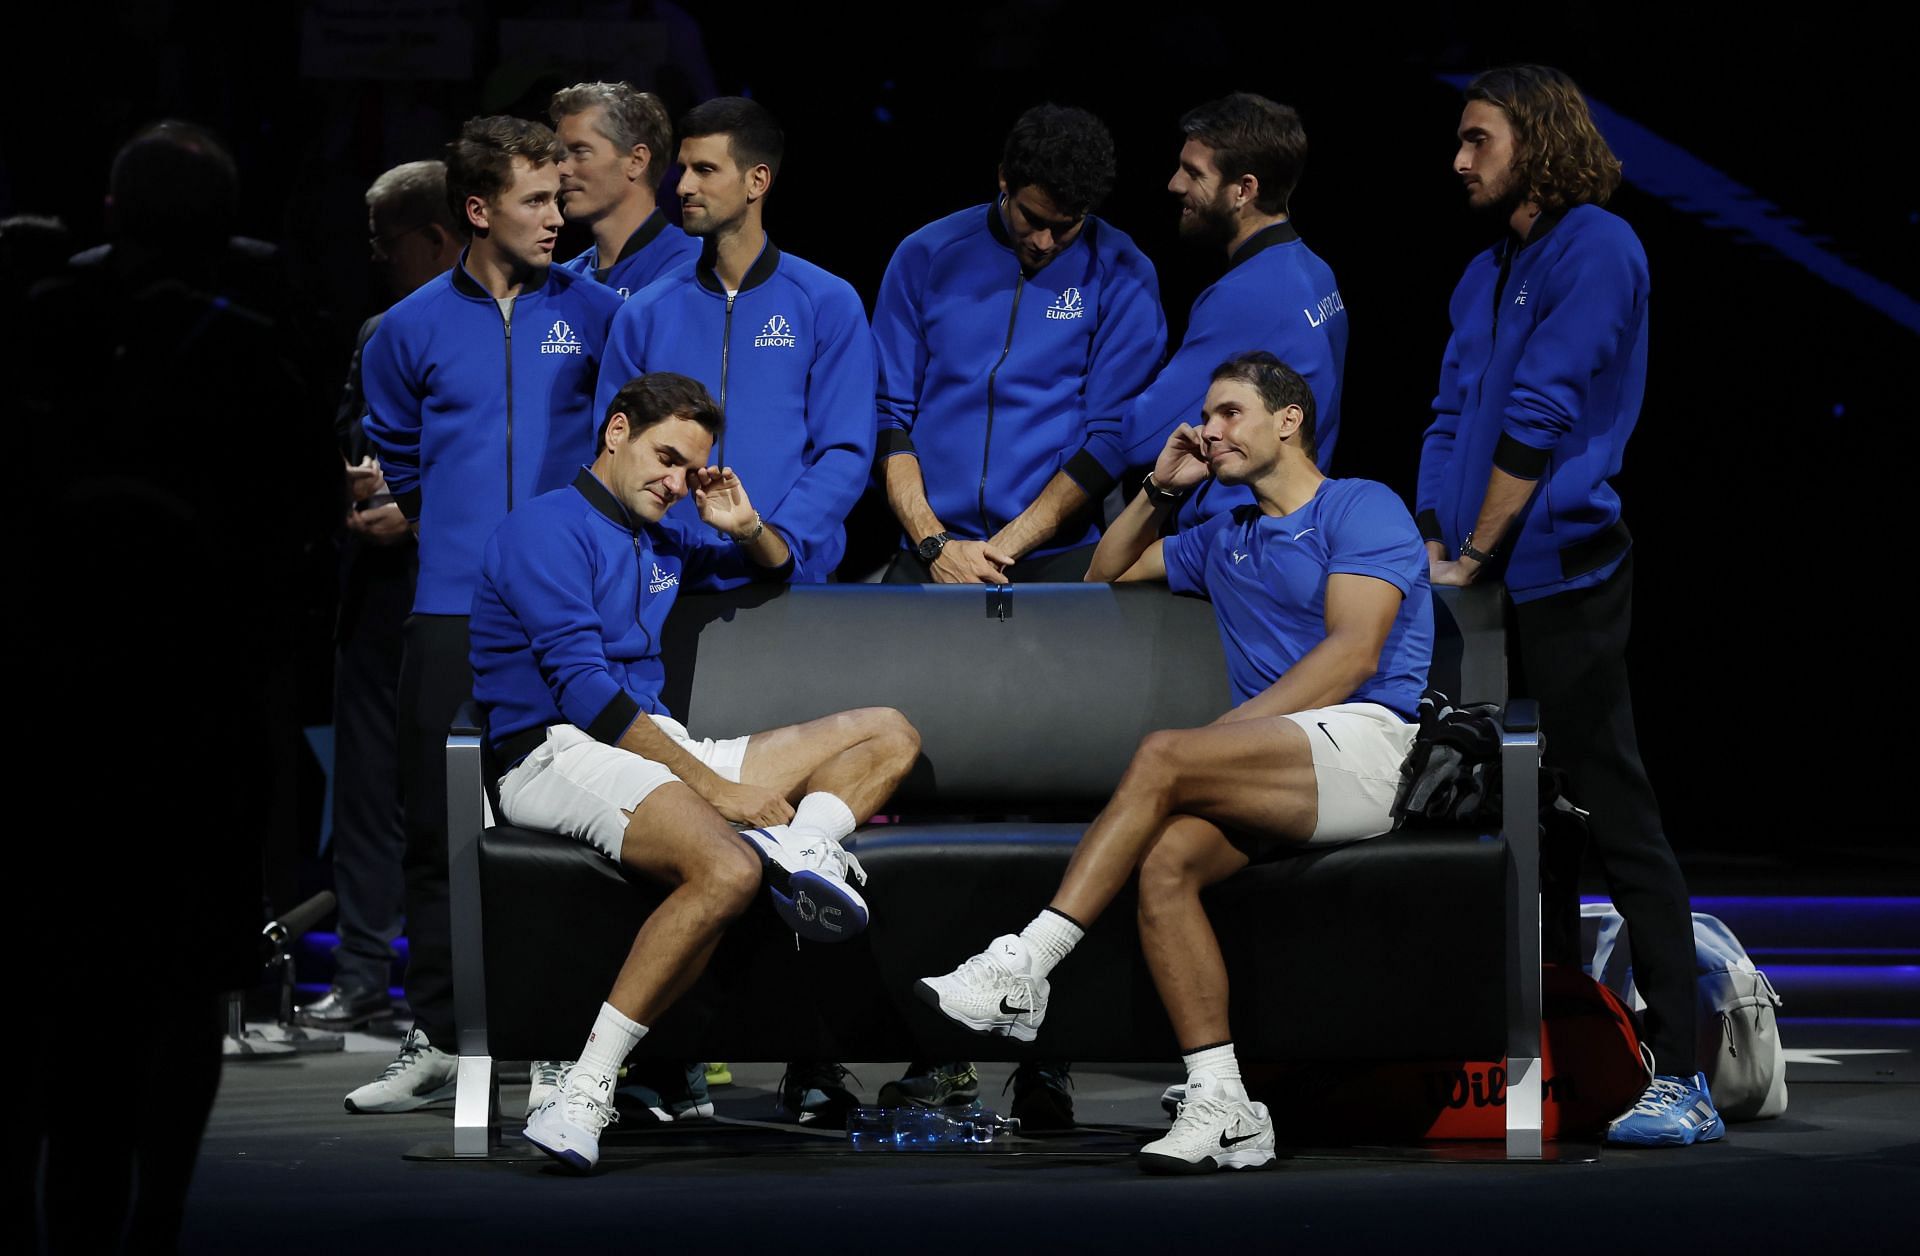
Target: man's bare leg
{"points": [[674, 837], [1255, 775], [1176, 937], [860, 757]]}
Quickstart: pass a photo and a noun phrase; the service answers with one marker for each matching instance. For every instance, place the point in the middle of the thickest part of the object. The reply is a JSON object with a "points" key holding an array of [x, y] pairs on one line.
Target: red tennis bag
{"points": [[1591, 1061]]}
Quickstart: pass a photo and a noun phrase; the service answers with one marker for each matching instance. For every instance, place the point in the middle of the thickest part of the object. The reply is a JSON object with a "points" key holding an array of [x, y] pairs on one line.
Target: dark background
{"points": [[1765, 481]]}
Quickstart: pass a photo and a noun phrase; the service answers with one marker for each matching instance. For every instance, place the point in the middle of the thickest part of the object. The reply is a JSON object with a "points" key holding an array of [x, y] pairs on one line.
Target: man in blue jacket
{"points": [[783, 344], [567, 621], [615, 143], [1238, 167], [1010, 337], [1541, 386], [479, 390]]}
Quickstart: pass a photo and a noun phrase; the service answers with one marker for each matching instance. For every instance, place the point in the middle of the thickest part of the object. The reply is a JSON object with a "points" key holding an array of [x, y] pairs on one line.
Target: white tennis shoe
{"points": [[995, 992]]}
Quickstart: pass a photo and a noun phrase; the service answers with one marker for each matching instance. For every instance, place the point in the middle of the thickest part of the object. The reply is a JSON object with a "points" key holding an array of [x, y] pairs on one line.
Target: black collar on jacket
{"points": [[1263, 239], [466, 285], [757, 274], [642, 236], [601, 498]]}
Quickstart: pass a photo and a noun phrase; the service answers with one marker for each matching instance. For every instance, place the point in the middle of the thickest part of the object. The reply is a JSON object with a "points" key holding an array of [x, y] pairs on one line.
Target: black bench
{"points": [[1029, 701]]}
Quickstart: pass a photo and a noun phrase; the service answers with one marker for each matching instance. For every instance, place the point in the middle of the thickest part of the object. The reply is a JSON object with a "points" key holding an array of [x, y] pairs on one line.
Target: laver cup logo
{"points": [[777, 334], [560, 338], [1068, 304]]}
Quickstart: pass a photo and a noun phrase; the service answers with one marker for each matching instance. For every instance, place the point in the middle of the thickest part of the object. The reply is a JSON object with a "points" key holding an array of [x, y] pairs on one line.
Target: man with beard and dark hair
{"points": [[1238, 169], [1551, 400], [1010, 337]]}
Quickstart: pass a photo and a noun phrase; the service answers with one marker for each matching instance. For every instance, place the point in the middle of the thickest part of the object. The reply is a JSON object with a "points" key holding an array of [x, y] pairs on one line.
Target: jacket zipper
{"points": [[726, 340], [640, 562], [506, 323], [986, 452]]}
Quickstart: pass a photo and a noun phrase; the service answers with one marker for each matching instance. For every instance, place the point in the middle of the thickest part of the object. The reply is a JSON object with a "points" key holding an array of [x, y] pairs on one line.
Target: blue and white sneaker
{"points": [[807, 875], [1674, 1112], [567, 1127]]}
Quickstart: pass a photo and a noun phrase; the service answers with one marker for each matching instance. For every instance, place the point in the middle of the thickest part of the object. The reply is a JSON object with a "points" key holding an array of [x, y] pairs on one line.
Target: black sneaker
{"points": [[1040, 1098], [815, 1094], [933, 1086]]}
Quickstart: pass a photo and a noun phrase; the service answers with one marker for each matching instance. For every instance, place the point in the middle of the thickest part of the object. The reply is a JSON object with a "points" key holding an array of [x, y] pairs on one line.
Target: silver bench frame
{"points": [[477, 1102]]}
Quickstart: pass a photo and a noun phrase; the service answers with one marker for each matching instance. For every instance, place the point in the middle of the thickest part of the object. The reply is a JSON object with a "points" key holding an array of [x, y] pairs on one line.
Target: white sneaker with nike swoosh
{"points": [[1217, 1128], [995, 992]]}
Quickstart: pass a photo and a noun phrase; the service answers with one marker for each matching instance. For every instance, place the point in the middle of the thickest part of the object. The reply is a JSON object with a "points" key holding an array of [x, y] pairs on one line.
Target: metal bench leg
{"points": [[1520, 825], [475, 1106]]}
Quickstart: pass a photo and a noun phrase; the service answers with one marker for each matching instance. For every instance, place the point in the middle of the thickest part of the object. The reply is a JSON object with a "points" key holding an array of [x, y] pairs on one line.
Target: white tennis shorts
{"points": [[574, 785], [1358, 748]]}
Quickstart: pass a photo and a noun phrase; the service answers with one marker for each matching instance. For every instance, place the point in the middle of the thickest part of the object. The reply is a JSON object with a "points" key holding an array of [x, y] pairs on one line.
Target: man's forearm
{"points": [[907, 494], [1042, 518], [644, 738], [1507, 495], [1326, 676], [1137, 527], [766, 549]]}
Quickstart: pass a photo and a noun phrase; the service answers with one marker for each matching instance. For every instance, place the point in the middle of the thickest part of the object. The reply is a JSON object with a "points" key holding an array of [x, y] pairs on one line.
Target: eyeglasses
{"points": [[382, 245]]}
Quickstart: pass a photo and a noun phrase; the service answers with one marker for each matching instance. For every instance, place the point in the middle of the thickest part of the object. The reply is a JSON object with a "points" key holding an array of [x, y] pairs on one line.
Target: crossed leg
{"points": [[859, 756]]}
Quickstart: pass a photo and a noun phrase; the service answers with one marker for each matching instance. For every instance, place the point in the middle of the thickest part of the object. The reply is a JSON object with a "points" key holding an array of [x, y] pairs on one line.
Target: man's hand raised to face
{"points": [[722, 501], [1182, 463]]}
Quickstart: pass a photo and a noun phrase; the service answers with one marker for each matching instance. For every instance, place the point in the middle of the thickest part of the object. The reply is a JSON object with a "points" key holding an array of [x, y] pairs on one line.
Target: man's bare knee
{"points": [[1155, 763], [896, 735], [1167, 872], [731, 876]]}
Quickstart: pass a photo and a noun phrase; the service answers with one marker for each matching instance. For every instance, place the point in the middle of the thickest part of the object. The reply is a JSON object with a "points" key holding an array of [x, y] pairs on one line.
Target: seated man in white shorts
{"points": [[574, 592], [1321, 594]]}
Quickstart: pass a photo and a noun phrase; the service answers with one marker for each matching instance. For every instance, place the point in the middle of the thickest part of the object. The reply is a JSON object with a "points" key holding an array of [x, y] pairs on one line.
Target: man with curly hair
{"points": [[1541, 386], [1010, 337]]}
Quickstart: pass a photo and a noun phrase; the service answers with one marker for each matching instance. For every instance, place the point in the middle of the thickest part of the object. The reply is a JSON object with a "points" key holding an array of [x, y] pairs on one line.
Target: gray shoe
{"points": [[341, 1008], [421, 1074]]}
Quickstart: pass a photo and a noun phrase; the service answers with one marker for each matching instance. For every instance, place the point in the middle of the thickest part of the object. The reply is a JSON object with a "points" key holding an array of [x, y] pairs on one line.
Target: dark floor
{"points": [[285, 1169]]}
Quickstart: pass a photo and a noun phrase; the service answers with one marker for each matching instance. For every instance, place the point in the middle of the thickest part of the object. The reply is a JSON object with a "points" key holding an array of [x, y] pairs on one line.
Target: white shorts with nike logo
{"points": [[584, 789], [1358, 748]]}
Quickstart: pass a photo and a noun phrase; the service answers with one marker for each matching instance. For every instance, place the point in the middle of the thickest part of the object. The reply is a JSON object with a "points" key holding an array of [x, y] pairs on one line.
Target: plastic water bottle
{"points": [[913, 1128]]}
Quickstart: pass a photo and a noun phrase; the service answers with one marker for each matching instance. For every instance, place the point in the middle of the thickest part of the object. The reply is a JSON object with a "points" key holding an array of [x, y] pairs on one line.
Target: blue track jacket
{"points": [[567, 618], [996, 380], [790, 359], [655, 248], [1277, 295], [471, 415], [1543, 378]]}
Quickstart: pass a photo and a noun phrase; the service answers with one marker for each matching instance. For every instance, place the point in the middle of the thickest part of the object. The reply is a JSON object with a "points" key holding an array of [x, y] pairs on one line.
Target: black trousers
{"points": [[435, 678], [1572, 658], [369, 840], [1068, 567]]}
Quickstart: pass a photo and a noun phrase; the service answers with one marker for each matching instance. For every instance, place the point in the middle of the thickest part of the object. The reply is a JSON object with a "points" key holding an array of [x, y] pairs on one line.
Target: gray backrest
{"points": [[1029, 698]]}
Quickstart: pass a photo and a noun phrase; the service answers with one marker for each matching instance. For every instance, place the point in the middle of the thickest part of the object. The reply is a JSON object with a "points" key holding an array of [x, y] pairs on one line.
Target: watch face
{"points": [[930, 548]]}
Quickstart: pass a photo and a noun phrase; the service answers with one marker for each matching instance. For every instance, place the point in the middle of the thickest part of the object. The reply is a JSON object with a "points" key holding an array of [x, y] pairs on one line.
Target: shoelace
{"points": [[1661, 1098], [549, 1073], [1203, 1110], [984, 974], [411, 1048], [584, 1110]]}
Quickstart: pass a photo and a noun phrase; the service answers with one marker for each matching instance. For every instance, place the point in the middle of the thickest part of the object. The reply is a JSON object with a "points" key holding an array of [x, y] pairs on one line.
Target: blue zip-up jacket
{"points": [[996, 379], [1277, 295], [654, 249], [1542, 378], [572, 598], [790, 360], [472, 414]]}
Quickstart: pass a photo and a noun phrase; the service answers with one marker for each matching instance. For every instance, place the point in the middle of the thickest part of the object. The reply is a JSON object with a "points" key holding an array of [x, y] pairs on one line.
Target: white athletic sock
{"points": [[1049, 937], [608, 1046], [823, 813], [1219, 1062]]}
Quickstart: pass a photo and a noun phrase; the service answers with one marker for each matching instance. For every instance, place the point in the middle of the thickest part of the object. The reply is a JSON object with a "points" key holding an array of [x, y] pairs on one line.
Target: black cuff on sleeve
{"points": [[1519, 459], [409, 503], [1428, 521], [892, 440], [1085, 470], [614, 719]]}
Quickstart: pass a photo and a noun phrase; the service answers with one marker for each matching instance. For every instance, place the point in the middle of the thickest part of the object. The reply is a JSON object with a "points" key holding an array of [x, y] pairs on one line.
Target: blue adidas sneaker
{"points": [[1673, 1112]]}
